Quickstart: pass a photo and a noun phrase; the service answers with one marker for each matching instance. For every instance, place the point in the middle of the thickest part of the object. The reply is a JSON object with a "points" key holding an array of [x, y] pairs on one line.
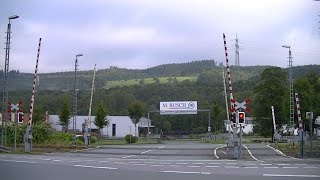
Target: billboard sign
{"points": [[178, 107]]}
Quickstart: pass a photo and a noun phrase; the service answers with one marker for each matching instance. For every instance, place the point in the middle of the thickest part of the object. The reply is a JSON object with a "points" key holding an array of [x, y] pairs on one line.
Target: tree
{"points": [[269, 92], [216, 111], [166, 126], [101, 119], [309, 96], [135, 114], [64, 115]]}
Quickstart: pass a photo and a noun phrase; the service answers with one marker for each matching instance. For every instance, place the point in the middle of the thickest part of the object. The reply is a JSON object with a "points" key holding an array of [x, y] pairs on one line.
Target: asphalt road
{"points": [[187, 160]]}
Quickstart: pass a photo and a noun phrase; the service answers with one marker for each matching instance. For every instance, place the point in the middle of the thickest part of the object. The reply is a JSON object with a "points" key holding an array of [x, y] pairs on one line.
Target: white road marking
{"points": [[290, 167], [214, 163], [146, 151], [311, 167], [271, 167], [120, 163], [281, 153], [265, 164], [31, 162], [193, 166], [215, 151], [74, 161], [250, 153], [283, 164], [181, 163], [233, 167], [198, 163], [149, 162], [89, 160], [138, 164], [103, 161], [156, 165], [290, 175], [164, 163], [128, 156], [57, 160], [223, 152], [186, 172], [45, 159], [300, 164], [160, 147], [95, 167], [212, 166], [254, 167]]}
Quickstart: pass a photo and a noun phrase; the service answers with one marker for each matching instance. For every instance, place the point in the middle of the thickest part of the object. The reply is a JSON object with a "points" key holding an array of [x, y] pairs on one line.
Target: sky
{"points": [[139, 34]]}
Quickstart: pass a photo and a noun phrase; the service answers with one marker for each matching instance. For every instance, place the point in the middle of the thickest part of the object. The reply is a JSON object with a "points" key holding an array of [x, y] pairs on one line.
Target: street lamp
{"points": [[5, 92], [75, 99], [291, 87]]}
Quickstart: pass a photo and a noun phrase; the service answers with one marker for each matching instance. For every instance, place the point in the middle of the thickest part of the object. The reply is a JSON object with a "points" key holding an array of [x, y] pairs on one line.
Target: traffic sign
{"points": [[14, 107], [241, 105]]}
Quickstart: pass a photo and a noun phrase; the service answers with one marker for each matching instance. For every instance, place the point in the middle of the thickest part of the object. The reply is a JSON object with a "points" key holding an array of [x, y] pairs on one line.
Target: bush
{"points": [[93, 139], [41, 133], [130, 138], [61, 137]]}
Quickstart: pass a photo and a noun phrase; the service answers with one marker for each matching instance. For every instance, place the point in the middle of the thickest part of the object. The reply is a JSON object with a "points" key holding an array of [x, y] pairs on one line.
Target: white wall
{"points": [[123, 125]]}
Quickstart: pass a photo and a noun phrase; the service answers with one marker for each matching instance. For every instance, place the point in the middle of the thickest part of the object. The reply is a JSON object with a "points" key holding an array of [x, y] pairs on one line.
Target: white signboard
{"points": [[178, 107]]}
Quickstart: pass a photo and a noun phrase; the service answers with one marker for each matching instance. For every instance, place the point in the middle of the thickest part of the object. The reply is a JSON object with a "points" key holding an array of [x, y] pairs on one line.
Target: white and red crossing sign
{"points": [[14, 107], [241, 105]]}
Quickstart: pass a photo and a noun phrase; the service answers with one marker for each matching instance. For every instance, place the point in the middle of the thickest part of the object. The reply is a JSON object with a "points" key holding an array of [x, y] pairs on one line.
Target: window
{"points": [[113, 130]]}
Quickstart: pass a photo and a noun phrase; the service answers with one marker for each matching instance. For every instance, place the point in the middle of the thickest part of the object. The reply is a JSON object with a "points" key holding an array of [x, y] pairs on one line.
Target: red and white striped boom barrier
{"points": [[34, 85], [228, 73], [298, 111]]}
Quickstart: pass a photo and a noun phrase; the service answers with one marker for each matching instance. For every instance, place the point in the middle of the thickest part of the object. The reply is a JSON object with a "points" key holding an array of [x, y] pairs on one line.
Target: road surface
{"points": [[173, 160]]}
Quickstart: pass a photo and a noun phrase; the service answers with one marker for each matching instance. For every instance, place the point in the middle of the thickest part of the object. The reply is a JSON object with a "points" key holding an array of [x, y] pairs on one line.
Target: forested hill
{"points": [[203, 72]]}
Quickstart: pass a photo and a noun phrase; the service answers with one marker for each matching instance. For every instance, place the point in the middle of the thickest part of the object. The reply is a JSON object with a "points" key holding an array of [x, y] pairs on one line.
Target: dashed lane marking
{"points": [[290, 175], [94, 167], [31, 162], [128, 156], [212, 166], [185, 172]]}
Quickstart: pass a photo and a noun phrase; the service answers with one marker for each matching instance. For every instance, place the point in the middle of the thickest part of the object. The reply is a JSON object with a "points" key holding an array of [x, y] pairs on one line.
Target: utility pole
{"points": [[5, 84], [291, 88], [75, 100], [237, 61]]}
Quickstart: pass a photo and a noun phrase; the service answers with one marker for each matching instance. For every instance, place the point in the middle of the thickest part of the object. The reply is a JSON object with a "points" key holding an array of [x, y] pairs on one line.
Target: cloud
{"points": [[144, 33]]}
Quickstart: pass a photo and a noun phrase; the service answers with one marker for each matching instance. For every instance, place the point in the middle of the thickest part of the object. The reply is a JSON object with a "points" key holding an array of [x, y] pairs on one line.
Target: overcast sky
{"points": [[144, 33]]}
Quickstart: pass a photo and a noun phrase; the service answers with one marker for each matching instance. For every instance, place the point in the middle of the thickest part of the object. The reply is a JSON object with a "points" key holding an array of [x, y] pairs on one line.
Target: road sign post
{"points": [[16, 109]]}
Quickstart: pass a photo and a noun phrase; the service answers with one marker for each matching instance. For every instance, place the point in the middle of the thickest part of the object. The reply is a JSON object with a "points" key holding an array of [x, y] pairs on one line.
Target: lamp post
{"points": [[291, 87], [75, 99], [5, 91]]}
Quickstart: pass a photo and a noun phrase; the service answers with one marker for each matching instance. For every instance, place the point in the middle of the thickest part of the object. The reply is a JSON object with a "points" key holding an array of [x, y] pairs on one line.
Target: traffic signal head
{"points": [[20, 117], [233, 118], [241, 116]]}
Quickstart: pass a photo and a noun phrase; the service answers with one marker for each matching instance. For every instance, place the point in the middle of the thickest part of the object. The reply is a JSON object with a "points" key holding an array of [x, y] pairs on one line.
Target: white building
{"points": [[119, 126]]}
